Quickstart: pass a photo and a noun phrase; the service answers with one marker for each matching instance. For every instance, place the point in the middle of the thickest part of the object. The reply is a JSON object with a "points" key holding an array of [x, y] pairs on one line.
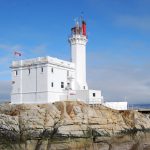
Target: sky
{"points": [[118, 48]]}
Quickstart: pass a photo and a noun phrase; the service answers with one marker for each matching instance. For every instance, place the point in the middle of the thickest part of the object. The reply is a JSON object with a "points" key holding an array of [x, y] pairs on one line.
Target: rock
{"points": [[9, 128], [40, 124]]}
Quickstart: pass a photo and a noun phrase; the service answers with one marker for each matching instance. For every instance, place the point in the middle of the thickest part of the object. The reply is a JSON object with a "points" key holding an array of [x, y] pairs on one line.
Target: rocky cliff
{"points": [[41, 126]]}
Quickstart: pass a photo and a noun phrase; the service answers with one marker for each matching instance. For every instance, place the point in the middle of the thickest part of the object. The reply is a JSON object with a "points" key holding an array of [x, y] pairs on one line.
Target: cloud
{"points": [[6, 52], [120, 79], [10, 48], [137, 22], [4, 73], [3, 60], [39, 50], [5, 89], [26, 51]]}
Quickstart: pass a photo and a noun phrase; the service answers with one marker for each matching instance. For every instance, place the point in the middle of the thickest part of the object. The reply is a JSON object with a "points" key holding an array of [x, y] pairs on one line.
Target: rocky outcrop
{"points": [[28, 126]]}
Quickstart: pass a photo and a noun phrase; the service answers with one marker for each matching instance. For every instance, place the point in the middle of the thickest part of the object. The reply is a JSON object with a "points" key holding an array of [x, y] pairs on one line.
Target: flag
{"points": [[17, 53]]}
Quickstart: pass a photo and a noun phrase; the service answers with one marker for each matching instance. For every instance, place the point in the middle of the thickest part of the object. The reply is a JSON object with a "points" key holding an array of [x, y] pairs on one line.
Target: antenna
{"points": [[82, 14], [81, 17], [75, 20]]}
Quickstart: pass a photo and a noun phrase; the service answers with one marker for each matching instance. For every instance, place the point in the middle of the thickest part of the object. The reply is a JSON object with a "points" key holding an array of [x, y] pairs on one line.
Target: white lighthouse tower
{"points": [[78, 42]]}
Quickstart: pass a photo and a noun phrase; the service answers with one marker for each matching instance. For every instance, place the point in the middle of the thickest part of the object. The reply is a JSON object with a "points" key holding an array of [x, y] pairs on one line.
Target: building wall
{"points": [[117, 105], [90, 96], [30, 84], [60, 79], [40, 83], [95, 97], [16, 97], [82, 95]]}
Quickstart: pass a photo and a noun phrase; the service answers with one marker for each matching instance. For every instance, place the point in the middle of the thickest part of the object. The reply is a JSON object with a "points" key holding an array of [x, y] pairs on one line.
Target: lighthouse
{"points": [[78, 41], [48, 79]]}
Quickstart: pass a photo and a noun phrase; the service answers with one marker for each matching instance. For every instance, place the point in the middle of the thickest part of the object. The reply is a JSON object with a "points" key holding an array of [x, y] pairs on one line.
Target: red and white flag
{"points": [[17, 53]]}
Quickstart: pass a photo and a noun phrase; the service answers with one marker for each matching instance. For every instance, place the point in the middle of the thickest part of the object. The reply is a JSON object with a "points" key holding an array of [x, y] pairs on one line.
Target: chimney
{"points": [[84, 28]]}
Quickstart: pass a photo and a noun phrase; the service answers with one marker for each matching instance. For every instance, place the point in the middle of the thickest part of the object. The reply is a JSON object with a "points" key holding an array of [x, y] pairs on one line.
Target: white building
{"points": [[117, 105], [47, 79]]}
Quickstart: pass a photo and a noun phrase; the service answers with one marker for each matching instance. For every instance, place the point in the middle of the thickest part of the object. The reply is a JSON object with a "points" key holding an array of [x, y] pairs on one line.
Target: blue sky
{"points": [[117, 52]]}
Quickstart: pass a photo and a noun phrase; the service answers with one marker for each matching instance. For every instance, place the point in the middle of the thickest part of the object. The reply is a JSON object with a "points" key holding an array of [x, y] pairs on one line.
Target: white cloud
{"points": [[7, 54], [4, 60], [137, 22], [39, 50], [10, 48], [4, 73], [5, 89], [120, 79]]}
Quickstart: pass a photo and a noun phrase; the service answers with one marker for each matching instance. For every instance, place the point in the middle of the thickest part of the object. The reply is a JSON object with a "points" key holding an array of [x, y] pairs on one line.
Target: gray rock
{"points": [[42, 123]]}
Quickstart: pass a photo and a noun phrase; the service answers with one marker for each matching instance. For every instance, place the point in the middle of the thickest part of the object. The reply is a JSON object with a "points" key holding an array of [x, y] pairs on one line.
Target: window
{"points": [[13, 82], [42, 69], [94, 94], [67, 73], [62, 84], [16, 72], [52, 84], [29, 71], [68, 86], [84, 87], [52, 70]]}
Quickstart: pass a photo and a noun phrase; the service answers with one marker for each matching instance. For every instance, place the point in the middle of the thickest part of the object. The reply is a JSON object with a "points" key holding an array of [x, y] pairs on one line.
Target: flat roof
{"points": [[42, 60]]}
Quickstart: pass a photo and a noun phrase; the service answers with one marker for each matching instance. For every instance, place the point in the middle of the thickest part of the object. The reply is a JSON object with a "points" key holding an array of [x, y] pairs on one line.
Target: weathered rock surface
{"points": [[39, 126]]}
